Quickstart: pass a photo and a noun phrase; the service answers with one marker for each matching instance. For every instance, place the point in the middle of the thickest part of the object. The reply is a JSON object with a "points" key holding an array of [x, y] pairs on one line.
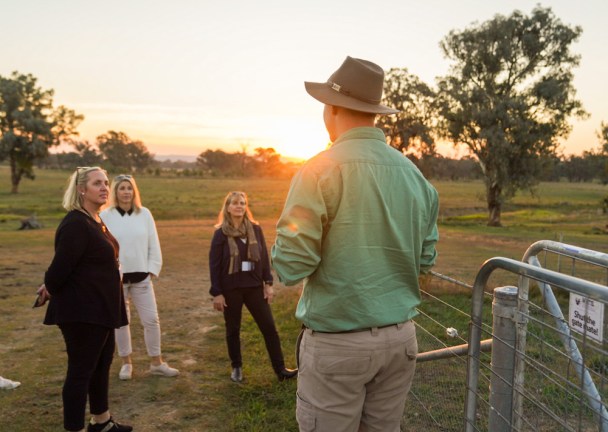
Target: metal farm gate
{"points": [[534, 360]]}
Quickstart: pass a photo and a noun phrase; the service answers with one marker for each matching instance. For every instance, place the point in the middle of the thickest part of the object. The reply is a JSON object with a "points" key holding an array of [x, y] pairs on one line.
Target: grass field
{"points": [[202, 398]]}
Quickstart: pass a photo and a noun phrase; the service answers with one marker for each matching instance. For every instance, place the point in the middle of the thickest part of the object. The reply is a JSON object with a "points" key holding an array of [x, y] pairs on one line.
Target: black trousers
{"points": [[90, 350], [253, 299]]}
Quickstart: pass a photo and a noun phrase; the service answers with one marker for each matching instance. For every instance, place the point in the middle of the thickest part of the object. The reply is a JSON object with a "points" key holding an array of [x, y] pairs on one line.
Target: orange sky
{"points": [[189, 75]]}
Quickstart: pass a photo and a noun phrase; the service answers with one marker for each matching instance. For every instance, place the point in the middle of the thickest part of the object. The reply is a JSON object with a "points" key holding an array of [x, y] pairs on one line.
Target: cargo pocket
{"points": [[305, 415]]}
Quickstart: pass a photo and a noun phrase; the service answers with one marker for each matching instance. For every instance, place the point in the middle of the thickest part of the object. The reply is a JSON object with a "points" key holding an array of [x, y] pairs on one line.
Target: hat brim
{"points": [[325, 94]]}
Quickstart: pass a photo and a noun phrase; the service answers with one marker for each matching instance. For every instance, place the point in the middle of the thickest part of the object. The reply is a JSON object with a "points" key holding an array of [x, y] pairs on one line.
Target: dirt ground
{"points": [[192, 332], [34, 354]]}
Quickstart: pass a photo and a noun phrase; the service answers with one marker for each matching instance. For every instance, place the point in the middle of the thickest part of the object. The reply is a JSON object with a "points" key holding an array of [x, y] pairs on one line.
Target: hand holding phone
{"points": [[42, 297]]}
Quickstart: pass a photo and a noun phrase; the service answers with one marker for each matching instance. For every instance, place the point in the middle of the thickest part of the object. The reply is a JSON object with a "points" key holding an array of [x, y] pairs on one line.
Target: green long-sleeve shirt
{"points": [[359, 225]]}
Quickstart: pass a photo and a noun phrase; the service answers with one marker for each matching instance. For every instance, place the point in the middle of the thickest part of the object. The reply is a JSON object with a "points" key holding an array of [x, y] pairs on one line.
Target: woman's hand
{"points": [[268, 293], [219, 303], [43, 294]]}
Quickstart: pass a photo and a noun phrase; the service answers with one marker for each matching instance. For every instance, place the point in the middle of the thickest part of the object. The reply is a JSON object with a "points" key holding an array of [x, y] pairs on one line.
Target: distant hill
{"points": [[191, 158], [174, 158]]}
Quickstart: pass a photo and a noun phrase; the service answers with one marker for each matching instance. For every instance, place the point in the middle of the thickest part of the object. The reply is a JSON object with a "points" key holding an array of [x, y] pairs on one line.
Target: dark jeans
{"points": [[253, 299], [90, 350]]}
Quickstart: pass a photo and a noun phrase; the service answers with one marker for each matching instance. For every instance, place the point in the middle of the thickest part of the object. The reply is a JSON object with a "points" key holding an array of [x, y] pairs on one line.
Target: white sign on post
{"points": [[587, 316]]}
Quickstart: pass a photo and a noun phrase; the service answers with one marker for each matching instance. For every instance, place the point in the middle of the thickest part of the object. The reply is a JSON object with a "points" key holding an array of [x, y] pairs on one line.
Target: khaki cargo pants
{"points": [[355, 382]]}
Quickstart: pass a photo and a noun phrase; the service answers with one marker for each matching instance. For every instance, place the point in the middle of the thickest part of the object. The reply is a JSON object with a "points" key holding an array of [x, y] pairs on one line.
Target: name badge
{"points": [[247, 266]]}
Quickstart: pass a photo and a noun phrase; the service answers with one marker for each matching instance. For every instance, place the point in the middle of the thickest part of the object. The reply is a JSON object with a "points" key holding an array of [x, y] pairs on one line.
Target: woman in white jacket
{"points": [[140, 259]]}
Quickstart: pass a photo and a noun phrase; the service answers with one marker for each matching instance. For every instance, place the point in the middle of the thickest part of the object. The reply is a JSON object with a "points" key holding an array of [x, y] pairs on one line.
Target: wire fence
{"points": [[437, 397], [560, 377]]}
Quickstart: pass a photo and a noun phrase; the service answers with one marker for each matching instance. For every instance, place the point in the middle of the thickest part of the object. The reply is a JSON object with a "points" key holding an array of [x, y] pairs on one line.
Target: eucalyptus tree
{"points": [[220, 162], [603, 137], [30, 125], [508, 97], [121, 153], [412, 129], [601, 154]]}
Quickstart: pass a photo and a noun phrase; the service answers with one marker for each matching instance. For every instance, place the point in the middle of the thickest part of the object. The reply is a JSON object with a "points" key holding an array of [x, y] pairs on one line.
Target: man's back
{"points": [[366, 250], [359, 225]]}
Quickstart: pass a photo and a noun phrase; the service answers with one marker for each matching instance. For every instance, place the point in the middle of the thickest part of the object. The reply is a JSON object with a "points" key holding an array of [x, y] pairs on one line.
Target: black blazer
{"points": [[84, 278], [219, 261]]}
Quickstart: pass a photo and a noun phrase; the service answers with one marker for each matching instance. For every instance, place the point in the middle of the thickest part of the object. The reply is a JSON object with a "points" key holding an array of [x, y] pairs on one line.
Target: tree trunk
{"points": [[494, 205], [16, 174]]}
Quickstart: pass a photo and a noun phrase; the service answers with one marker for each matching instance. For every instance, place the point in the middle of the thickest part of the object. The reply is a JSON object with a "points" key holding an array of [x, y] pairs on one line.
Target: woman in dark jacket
{"points": [[240, 274], [86, 300]]}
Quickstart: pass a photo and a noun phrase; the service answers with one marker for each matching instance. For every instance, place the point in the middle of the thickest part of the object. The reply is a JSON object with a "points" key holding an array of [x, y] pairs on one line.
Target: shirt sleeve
{"points": [[296, 253], [429, 252], [70, 244], [266, 274], [155, 257], [215, 263]]}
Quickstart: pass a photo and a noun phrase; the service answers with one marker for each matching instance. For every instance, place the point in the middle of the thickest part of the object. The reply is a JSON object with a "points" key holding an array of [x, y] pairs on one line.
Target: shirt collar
{"points": [[361, 133], [122, 212]]}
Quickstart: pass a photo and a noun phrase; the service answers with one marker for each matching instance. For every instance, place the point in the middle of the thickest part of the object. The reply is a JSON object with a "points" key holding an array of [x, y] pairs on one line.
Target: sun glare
{"points": [[300, 140]]}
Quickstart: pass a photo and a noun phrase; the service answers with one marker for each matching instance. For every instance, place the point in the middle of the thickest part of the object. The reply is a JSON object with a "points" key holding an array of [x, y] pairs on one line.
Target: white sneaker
{"points": [[163, 369], [126, 371], [8, 384]]}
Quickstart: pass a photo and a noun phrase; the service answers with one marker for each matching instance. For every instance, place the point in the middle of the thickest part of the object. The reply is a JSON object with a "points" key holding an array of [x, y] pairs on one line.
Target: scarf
{"points": [[244, 231]]}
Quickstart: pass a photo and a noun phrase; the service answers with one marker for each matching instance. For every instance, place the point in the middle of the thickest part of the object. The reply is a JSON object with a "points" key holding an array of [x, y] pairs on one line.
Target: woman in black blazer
{"points": [[240, 274], [86, 300]]}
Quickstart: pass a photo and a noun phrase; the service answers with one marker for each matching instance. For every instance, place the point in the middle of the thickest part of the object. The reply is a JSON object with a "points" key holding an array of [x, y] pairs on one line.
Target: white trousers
{"points": [[141, 294]]}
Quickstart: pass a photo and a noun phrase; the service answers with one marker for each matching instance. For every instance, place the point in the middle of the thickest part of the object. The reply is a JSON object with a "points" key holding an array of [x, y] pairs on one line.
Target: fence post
{"points": [[504, 310]]}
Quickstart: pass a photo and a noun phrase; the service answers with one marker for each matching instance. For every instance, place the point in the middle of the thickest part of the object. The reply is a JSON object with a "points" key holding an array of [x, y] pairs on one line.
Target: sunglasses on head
{"points": [[78, 173]]}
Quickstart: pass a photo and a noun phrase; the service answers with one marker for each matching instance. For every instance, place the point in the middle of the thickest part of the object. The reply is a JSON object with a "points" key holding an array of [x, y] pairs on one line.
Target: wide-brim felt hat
{"points": [[356, 85]]}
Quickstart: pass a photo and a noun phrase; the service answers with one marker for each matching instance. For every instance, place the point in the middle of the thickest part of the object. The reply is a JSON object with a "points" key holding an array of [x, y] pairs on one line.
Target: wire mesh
{"points": [[437, 395], [555, 396]]}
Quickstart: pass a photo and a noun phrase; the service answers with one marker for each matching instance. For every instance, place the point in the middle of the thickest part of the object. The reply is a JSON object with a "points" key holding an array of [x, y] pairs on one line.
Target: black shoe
{"points": [[285, 374], [237, 374], [109, 426]]}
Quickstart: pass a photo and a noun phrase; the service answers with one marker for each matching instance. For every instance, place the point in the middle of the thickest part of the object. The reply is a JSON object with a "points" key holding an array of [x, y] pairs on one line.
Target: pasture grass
{"points": [[203, 398]]}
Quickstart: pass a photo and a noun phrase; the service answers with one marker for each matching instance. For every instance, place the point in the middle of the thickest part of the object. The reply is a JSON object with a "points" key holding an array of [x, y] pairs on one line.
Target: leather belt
{"points": [[351, 331]]}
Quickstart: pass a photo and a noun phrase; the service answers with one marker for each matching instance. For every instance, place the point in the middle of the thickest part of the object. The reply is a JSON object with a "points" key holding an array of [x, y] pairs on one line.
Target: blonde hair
{"points": [[223, 218], [113, 201], [71, 198]]}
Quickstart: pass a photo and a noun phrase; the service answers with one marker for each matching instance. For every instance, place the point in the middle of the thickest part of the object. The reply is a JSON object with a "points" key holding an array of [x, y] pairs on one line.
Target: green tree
{"points": [[508, 97], [29, 124], [220, 162], [84, 154], [579, 168], [269, 161], [121, 153], [410, 130], [602, 154], [603, 137], [88, 154]]}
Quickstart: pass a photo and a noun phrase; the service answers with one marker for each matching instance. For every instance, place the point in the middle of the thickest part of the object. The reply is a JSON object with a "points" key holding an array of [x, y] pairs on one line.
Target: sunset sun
{"points": [[300, 140]]}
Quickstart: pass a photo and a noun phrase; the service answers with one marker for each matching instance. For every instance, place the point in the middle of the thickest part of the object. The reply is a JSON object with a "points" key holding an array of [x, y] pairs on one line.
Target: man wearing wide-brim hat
{"points": [[359, 226]]}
